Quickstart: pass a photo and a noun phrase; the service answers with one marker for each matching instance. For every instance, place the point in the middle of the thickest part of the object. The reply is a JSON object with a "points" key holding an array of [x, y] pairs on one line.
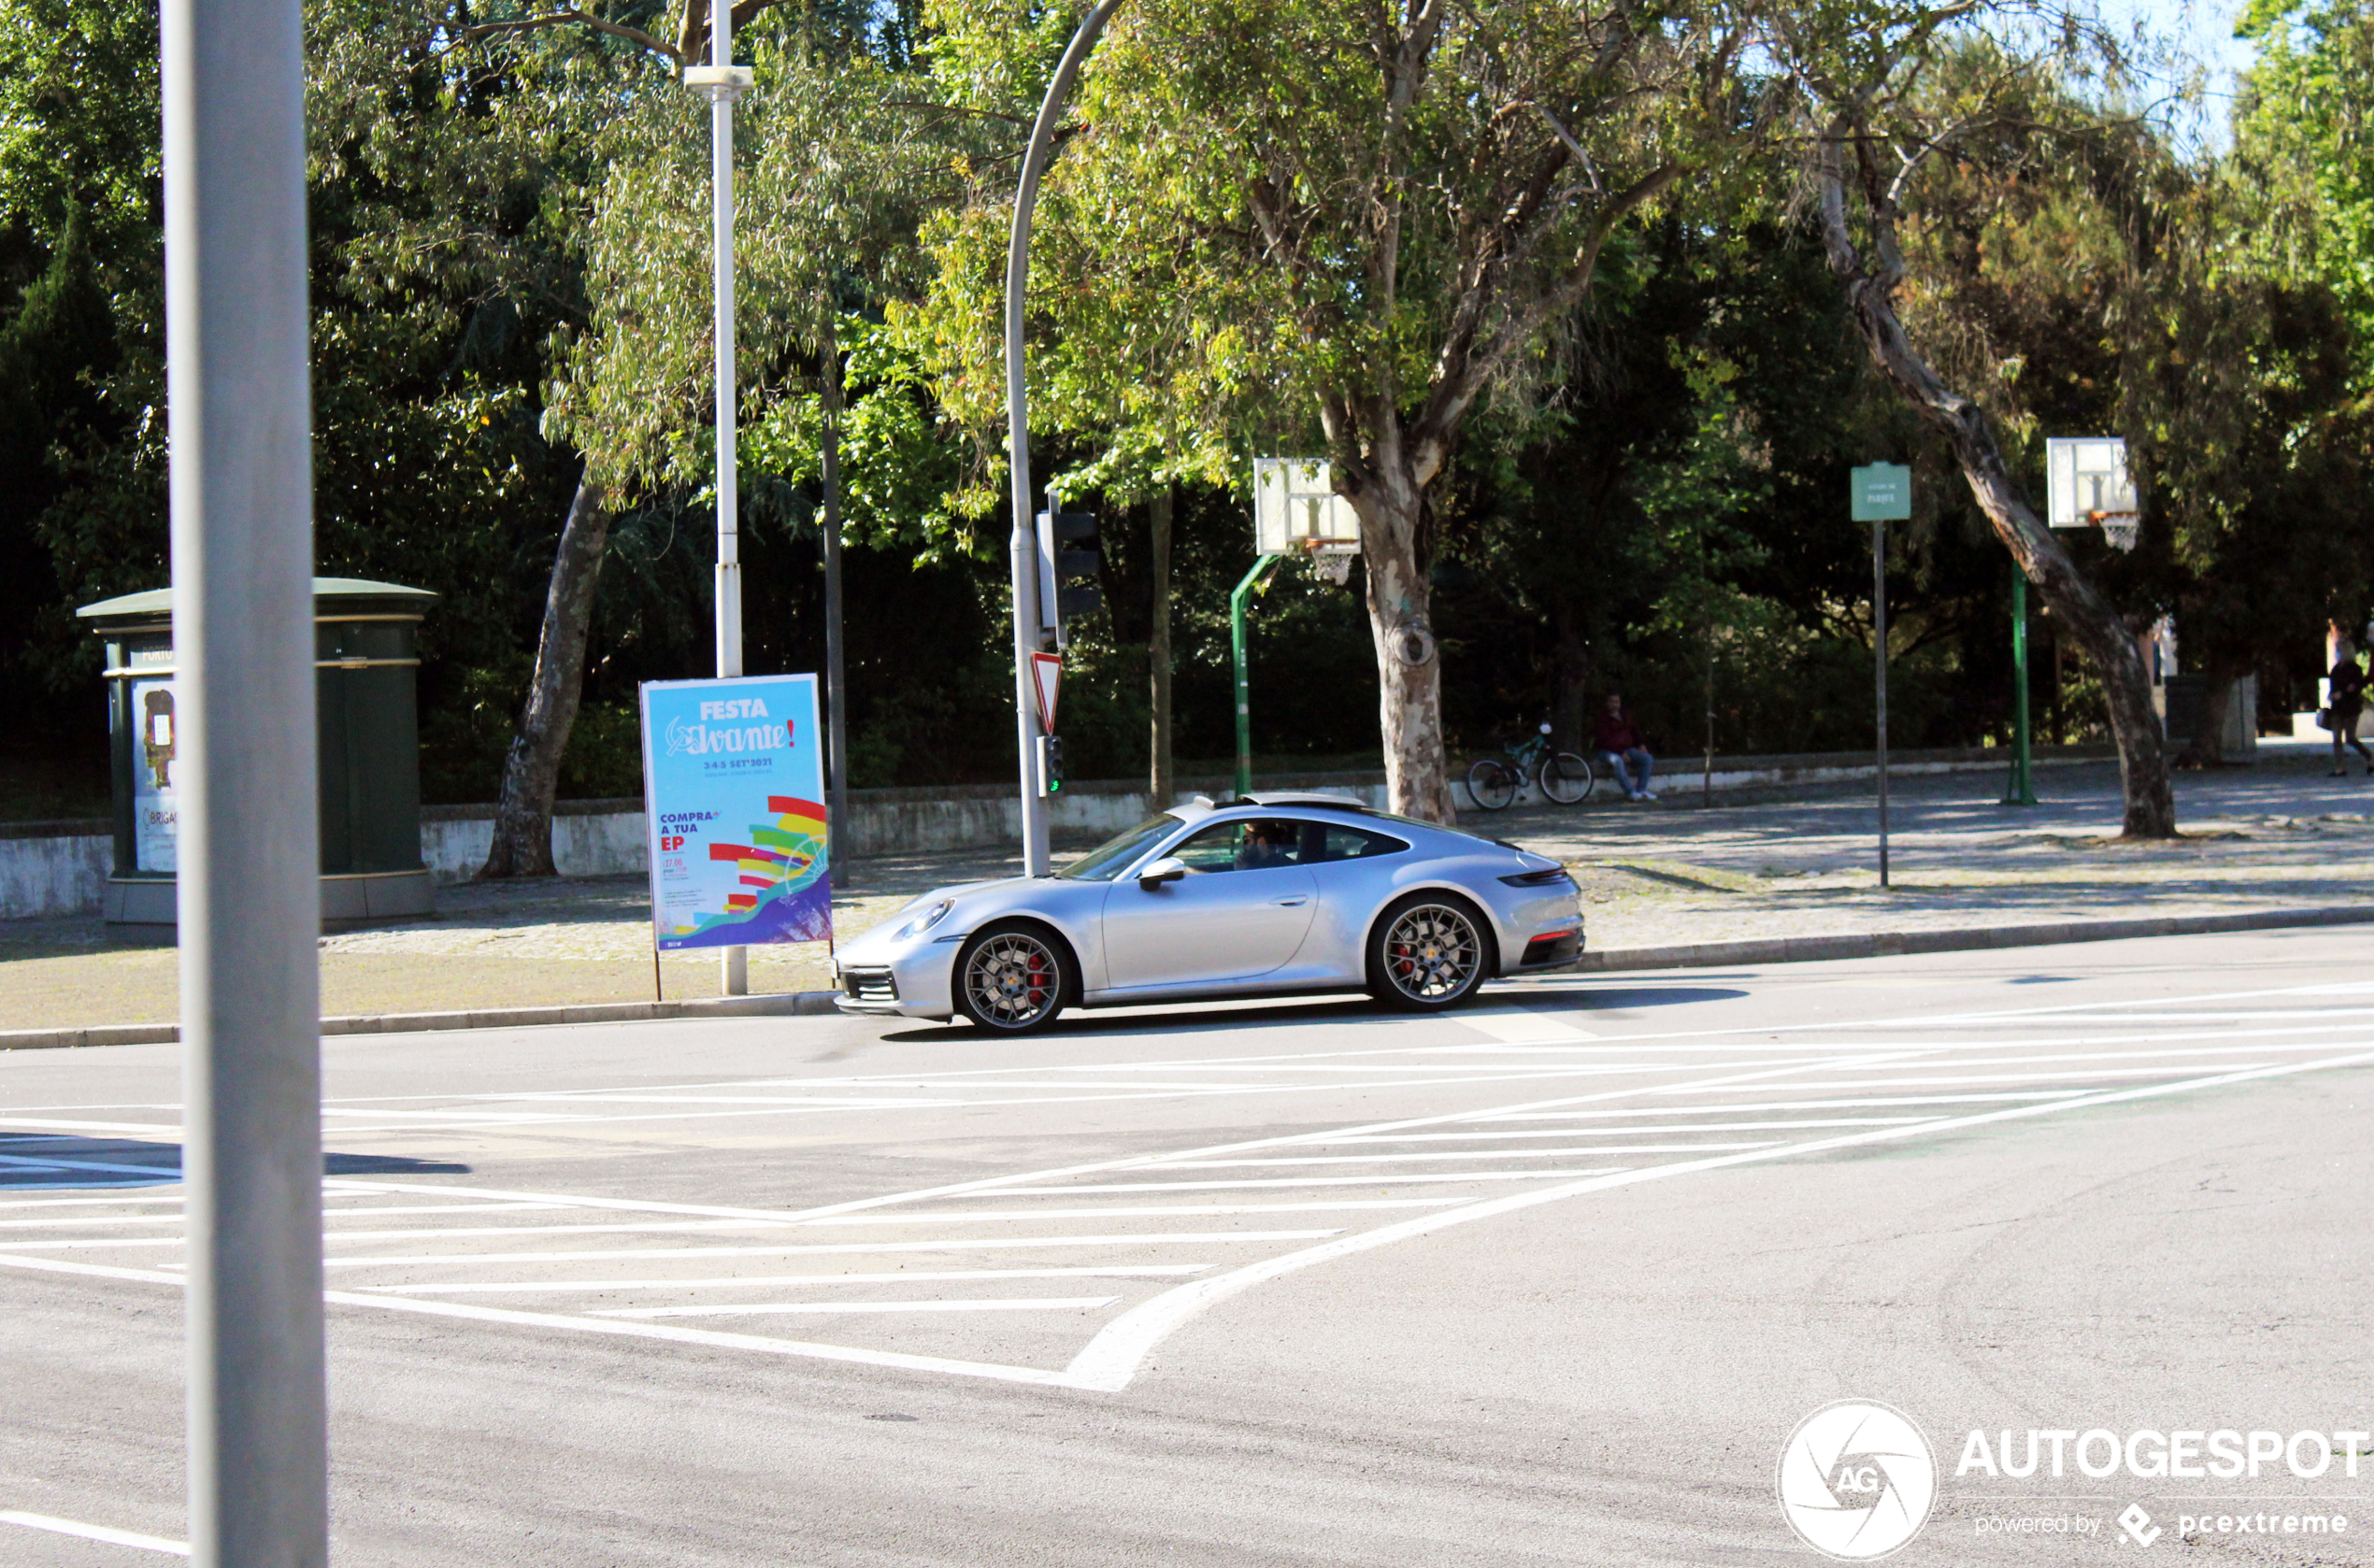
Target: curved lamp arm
{"points": [[1025, 543]]}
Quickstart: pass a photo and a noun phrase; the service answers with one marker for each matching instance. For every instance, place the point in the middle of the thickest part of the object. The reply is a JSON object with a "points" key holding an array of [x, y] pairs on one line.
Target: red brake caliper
{"points": [[1038, 978]]}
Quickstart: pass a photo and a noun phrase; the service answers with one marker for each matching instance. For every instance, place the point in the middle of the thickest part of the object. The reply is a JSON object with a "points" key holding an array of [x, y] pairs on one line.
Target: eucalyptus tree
{"points": [[1292, 222], [1900, 100]]}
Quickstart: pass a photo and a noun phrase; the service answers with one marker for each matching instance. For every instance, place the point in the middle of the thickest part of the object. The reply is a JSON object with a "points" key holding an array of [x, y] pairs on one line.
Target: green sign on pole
{"points": [[1881, 493]]}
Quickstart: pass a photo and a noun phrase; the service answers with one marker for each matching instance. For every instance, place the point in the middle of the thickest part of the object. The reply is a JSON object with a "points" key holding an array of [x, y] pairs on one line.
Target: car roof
{"points": [[1267, 799]]}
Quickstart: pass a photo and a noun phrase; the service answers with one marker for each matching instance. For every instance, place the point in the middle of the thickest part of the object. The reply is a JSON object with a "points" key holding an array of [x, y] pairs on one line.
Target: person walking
{"points": [[1625, 748], [2345, 701]]}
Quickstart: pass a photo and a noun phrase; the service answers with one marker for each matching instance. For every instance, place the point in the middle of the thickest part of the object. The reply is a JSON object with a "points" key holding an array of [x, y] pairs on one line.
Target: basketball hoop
{"points": [[1332, 563], [2120, 529]]}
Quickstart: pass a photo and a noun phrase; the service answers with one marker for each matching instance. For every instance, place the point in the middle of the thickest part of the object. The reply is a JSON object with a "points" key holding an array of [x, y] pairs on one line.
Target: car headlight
{"points": [[927, 918]]}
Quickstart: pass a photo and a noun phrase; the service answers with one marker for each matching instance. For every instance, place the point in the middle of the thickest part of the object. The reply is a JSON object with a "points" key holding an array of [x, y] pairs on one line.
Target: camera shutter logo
{"points": [[1856, 1480]]}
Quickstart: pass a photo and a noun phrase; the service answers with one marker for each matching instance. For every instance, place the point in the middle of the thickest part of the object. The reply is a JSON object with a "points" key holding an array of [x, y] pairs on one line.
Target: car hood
{"points": [[974, 900]]}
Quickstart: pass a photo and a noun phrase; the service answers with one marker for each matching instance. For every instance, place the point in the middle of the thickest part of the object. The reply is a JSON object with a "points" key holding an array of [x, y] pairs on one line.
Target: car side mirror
{"points": [[1170, 868]]}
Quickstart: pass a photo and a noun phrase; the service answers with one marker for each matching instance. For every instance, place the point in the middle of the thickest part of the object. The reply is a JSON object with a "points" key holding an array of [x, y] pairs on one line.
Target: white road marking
{"points": [[112, 1536], [1519, 1023], [143, 1197], [1114, 1356], [1376, 1178], [947, 1244], [1402, 1155], [747, 1281], [1953, 1079], [1141, 1211], [1625, 1131], [944, 1303]]}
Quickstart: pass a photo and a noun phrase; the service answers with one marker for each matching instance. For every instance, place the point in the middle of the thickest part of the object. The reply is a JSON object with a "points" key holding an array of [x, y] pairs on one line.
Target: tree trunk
{"points": [[1161, 785], [2082, 614], [531, 772], [1570, 695], [1409, 664]]}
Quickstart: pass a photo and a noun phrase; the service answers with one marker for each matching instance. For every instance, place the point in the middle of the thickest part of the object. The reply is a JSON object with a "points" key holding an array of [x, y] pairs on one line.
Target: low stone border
{"points": [[1696, 955], [1895, 944]]}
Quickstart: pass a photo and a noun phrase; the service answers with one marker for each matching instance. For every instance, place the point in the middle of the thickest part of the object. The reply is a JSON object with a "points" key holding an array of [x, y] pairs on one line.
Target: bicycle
{"points": [[1563, 777]]}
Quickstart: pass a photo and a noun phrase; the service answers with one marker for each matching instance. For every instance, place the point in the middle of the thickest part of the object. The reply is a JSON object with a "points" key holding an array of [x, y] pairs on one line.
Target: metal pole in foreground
{"points": [[1879, 663], [733, 973], [250, 852], [1023, 546], [2022, 789]]}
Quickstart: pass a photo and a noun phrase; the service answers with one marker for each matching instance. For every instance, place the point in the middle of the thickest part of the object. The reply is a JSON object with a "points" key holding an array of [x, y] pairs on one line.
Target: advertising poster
{"points": [[156, 798], [733, 792]]}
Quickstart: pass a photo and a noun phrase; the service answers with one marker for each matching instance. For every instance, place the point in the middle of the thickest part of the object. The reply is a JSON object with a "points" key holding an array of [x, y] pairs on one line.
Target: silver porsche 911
{"points": [[1266, 895]]}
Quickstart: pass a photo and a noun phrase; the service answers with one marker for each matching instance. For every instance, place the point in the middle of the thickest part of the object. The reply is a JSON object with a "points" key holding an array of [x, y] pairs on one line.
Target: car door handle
{"points": [[1290, 903]]}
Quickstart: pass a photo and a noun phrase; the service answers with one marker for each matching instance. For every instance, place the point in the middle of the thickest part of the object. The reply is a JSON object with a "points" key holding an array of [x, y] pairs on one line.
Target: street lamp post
{"points": [[1023, 546], [721, 83], [237, 376]]}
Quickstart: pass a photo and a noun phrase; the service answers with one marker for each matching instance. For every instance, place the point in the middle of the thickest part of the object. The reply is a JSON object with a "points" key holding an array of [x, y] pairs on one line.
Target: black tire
{"points": [[1565, 780], [1429, 951], [1493, 784], [1014, 977]]}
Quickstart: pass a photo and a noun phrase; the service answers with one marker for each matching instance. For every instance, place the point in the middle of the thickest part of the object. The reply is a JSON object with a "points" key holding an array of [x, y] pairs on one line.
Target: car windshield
{"points": [[1110, 859]]}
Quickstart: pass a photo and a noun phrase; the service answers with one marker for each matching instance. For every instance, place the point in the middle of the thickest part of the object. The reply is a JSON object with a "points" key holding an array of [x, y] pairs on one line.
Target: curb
{"points": [[1697, 955], [1895, 944], [804, 1002]]}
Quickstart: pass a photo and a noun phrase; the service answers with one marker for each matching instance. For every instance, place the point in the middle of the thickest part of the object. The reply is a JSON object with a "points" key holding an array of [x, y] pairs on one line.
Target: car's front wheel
{"points": [[1428, 952], [1013, 977]]}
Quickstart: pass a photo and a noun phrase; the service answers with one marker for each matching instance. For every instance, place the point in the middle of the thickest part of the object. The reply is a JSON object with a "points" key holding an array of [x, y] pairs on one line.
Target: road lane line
{"points": [[1625, 1131], [1955, 1080], [112, 1536], [1373, 1178], [98, 1271], [1140, 1211], [1114, 1357], [1019, 1303], [747, 1282], [944, 1244], [1401, 1155], [1769, 1105], [711, 1338]]}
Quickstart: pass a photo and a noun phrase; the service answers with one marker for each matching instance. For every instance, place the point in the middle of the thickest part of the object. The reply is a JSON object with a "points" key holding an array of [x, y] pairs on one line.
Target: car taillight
{"points": [[1555, 875]]}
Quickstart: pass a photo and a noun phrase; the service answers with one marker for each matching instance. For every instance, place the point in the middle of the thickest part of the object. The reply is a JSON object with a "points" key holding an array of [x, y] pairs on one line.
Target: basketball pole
{"points": [[1262, 565], [1879, 670], [2021, 788], [1023, 544]]}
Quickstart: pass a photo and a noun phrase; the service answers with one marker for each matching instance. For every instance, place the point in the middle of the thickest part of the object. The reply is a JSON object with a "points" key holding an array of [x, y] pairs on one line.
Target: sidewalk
{"points": [[1782, 864]]}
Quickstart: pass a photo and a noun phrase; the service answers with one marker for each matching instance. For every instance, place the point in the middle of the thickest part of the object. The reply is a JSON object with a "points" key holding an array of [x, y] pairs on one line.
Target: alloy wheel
{"points": [[1013, 981], [1432, 953]]}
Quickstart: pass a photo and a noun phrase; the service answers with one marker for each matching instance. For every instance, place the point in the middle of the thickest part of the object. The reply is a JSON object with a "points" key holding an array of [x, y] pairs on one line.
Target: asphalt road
{"points": [[1547, 1281]]}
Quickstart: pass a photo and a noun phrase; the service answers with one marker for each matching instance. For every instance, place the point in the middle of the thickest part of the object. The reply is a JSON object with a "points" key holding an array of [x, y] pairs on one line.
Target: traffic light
{"points": [[1050, 765], [1068, 561]]}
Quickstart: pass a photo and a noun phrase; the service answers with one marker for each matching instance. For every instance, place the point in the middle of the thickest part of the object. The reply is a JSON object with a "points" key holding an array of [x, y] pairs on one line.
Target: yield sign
{"points": [[1046, 675]]}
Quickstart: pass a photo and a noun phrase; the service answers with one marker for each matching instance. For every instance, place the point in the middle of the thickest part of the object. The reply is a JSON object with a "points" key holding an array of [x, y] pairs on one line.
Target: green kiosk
{"points": [[367, 638]]}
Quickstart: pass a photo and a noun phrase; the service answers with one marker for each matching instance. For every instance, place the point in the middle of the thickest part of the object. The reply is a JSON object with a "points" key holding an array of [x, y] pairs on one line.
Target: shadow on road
{"points": [[56, 1161]]}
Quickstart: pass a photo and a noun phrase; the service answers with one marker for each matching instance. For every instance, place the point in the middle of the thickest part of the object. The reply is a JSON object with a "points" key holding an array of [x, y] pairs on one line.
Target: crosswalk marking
{"points": [[1648, 1105]]}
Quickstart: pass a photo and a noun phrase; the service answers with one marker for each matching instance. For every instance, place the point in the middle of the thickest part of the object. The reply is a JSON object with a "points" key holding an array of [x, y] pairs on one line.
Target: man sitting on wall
{"points": [[1626, 749]]}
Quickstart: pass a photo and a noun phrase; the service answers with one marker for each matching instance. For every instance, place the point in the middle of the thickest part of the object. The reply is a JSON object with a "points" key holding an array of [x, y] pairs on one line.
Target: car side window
{"points": [[1357, 844], [1251, 845]]}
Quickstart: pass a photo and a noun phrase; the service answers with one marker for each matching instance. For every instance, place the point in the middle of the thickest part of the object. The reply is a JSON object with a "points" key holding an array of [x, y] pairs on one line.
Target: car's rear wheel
{"points": [[1428, 952], [1013, 977]]}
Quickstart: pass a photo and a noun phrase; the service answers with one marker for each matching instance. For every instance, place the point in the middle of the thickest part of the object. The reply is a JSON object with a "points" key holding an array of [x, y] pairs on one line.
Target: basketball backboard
{"points": [[1297, 509], [2086, 482]]}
